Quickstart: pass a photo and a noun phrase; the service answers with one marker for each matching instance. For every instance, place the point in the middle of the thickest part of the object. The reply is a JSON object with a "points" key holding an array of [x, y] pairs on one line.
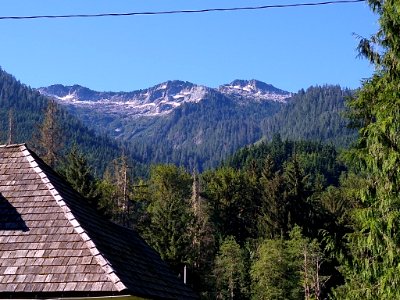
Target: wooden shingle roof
{"points": [[53, 244]]}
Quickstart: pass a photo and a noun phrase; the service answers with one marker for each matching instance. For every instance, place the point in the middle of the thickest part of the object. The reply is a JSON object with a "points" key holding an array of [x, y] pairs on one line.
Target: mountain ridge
{"points": [[162, 98], [197, 134], [203, 127], [28, 108], [253, 88]]}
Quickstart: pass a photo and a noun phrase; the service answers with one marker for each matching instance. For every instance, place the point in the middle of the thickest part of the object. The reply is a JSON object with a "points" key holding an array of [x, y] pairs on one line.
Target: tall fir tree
{"points": [[170, 215], [273, 212], [116, 189], [372, 270], [78, 174], [50, 137], [203, 241], [230, 271]]}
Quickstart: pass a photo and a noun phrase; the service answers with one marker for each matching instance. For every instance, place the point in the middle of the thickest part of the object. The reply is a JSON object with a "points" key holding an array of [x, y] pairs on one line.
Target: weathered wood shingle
{"points": [[52, 242]]}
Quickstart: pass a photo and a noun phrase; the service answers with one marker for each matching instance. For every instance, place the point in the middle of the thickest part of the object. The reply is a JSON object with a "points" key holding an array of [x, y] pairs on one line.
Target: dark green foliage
{"points": [[216, 221], [230, 271], [248, 213], [78, 173], [371, 262], [266, 190], [233, 200], [29, 109], [315, 158], [315, 114], [273, 211], [169, 213], [288, 269], [191, 135]]}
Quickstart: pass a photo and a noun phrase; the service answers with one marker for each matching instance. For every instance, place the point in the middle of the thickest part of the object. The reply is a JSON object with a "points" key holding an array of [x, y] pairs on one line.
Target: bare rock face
{"points": [[161, 99], [254, 90]]}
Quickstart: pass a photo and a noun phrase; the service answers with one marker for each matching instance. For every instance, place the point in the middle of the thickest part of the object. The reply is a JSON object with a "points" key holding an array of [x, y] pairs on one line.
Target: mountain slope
{"points": [[254, 90], [314, 114], [28, 108], [177, 121], [200, 135], [197, 126], [158, 100]]}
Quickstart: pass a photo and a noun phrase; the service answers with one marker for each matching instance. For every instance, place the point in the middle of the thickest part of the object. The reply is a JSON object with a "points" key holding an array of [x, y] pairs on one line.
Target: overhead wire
{"points": [[170, 12]]}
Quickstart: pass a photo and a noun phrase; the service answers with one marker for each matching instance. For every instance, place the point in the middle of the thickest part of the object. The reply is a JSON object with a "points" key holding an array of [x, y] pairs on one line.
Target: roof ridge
{"points": [[101, 260], [12, 145]]}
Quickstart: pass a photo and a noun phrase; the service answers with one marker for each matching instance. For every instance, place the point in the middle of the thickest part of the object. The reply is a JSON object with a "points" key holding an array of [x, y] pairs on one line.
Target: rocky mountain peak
{"points": [[162, 98], [157, 100], [254, 90]]}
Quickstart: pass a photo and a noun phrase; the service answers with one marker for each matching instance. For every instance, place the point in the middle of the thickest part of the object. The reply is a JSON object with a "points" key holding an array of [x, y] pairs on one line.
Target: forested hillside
{"points": [[199, 135], [28, 109], [281, 219], [315, 114], [241, 229], [195, 135], [286, 219], [293, 216]]}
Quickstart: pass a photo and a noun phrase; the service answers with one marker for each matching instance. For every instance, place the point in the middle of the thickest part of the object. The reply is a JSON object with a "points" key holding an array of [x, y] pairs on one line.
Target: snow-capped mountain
{"points": [[163, 98], [254, 90], [158, 100]]}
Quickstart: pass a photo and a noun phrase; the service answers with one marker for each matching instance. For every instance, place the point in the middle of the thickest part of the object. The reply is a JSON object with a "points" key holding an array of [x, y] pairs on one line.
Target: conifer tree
{"points": [[202, 234], [169, 213], [116, 190], [230, 271], [372, 271], [297, 192], [78, 174], [274, 207], [50, 138]]}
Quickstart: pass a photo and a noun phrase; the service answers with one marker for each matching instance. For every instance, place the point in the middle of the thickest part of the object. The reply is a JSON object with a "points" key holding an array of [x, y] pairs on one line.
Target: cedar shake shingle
{"points": [[53, 243]]}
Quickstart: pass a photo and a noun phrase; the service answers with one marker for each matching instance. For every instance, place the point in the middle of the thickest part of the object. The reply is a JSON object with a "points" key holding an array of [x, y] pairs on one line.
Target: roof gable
{"points": [[51, 241]]}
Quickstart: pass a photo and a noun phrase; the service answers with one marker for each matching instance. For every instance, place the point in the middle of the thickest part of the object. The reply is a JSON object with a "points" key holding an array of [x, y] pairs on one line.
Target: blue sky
{"points": [[290, 48]]}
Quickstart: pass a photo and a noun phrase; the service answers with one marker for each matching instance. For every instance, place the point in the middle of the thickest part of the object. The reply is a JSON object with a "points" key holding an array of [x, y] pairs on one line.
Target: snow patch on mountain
{"points": [[254, 90], [161, 99], [158, 100]]}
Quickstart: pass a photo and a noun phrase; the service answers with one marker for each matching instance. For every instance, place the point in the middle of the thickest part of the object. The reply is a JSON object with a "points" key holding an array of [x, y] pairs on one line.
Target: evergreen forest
{"points": [[271, 205], [199, 135], [28, 117], [293, 216]]}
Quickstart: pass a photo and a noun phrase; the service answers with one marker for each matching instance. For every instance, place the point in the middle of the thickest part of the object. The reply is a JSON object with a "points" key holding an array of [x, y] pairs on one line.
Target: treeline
{"points": [[27, 109], [196, 135], [254, 228], [200, 135], [317, 113]]}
